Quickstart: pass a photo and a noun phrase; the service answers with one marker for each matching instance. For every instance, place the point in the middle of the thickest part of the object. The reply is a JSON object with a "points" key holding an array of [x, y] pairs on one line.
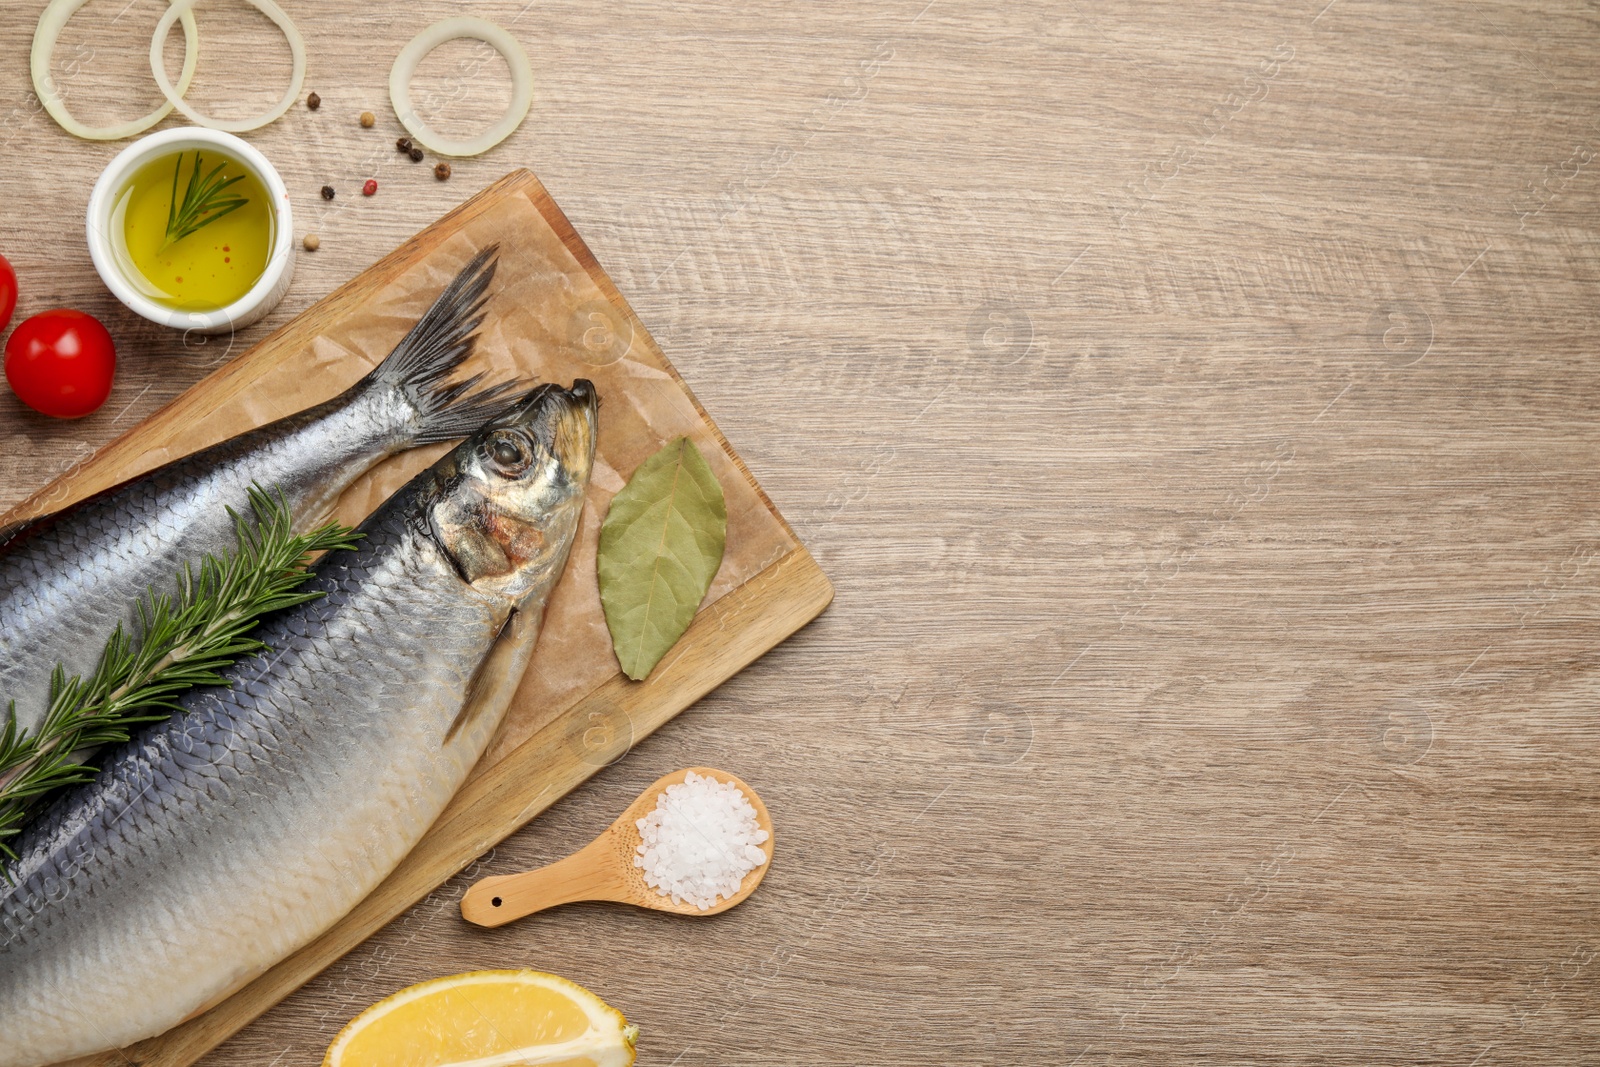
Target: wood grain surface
{"points": [[1194, 408]]}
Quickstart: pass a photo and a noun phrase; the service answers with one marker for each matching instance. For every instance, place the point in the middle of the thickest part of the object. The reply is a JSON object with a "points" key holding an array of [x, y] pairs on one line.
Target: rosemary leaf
{"points": [[185, 640], [203, 202]]}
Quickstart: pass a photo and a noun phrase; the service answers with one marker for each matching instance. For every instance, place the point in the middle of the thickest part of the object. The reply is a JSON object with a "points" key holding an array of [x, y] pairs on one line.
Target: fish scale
{"points": [[218, 841]]}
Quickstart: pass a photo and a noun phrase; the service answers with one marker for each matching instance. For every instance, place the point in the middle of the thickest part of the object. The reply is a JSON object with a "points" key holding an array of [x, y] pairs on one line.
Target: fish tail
{"points": [[439, 343]]}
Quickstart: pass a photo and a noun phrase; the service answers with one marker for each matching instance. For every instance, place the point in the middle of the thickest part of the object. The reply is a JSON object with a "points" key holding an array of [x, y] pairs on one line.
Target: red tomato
{"points": [[8, 292], [61, 362]]}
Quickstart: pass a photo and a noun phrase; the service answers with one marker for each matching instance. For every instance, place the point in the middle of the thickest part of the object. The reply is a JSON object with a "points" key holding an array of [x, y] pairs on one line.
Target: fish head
{"points": [[508, 499]]}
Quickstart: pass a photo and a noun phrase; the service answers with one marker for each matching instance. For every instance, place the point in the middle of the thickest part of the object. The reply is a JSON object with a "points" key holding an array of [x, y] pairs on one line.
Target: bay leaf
{"points": [[660, 546]]}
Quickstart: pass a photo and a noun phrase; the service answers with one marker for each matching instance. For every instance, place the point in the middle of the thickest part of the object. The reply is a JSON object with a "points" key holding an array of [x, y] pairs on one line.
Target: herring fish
{"points": [[215, 843], [67, 580]]}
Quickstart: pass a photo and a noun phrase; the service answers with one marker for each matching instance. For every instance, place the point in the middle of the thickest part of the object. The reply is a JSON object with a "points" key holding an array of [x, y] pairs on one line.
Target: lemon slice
{"points": [[487, 1019]]}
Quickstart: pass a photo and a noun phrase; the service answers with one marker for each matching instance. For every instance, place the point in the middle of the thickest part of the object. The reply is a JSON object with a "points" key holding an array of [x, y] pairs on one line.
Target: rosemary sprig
{"points": [[203, 200], [184, 641]]}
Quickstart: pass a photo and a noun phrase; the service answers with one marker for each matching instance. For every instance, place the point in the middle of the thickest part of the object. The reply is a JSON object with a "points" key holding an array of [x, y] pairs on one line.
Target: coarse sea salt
{"points": [[700, 841]]}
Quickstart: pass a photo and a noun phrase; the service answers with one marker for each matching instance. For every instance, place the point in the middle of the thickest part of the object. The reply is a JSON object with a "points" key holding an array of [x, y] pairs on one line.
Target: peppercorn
{"points": [[370, 187], [416, 155], [442, 171], [313, 101], [403, 144], [327, 192], [311, 242], [368, 118]]}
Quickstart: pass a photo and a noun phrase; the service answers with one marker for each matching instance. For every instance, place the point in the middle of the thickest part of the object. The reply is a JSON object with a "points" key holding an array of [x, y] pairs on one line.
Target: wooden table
{"points": [[1194, 409]]}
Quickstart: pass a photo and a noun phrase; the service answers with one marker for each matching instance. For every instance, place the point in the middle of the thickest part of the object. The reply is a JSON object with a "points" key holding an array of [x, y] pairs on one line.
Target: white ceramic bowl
{"points": [[274, 280]]}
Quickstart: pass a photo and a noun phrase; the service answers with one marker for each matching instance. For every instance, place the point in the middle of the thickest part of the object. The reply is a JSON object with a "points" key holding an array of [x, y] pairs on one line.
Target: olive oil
{"points": [[212, 266]]}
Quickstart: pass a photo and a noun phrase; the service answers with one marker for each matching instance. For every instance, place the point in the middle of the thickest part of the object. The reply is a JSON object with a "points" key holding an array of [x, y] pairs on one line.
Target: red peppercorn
{"points": [[369, 188]]}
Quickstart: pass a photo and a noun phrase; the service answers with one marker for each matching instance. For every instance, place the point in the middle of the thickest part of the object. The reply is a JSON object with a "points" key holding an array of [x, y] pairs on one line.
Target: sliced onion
{"points": [[55, 16], [405, 68], [297, 49]]}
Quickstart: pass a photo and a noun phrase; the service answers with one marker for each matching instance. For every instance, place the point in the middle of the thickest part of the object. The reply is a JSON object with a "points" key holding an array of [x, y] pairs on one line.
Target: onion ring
{"points": [[51, 20], [297, 49], [405, 67]]}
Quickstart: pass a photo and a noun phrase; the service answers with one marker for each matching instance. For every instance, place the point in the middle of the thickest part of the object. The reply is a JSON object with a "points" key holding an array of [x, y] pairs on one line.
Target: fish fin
{"points": [[439, 343], [488, 682]]}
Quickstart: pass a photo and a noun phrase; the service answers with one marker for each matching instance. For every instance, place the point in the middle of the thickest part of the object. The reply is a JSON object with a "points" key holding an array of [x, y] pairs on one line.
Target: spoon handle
{"points": [[589, 874]]}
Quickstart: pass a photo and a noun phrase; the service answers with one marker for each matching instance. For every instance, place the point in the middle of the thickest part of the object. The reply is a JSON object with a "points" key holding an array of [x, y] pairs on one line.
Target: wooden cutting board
{"points": [[553, 315]]}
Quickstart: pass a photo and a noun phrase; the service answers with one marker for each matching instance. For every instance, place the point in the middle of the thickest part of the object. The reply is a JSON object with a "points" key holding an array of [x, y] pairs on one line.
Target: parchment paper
{"points": [[547, 320]]}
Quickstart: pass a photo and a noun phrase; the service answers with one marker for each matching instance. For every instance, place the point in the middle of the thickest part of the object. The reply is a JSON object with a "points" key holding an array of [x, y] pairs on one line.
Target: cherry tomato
{"points": [[8, 292], [61, 362]]}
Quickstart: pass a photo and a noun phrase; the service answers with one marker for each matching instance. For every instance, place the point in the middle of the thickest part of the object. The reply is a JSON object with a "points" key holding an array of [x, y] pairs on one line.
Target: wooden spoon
{"points": [[603, 869]]}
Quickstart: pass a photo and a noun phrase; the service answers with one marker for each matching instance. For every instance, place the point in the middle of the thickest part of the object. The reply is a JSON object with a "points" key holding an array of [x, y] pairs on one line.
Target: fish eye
{"points": [[508, 454]]}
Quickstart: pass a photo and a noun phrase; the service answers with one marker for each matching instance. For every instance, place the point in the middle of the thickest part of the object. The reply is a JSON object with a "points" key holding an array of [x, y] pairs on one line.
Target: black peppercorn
{"points": [[313, 101], [327, 192], [416, 155], [441, 171], [403, 144]]}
